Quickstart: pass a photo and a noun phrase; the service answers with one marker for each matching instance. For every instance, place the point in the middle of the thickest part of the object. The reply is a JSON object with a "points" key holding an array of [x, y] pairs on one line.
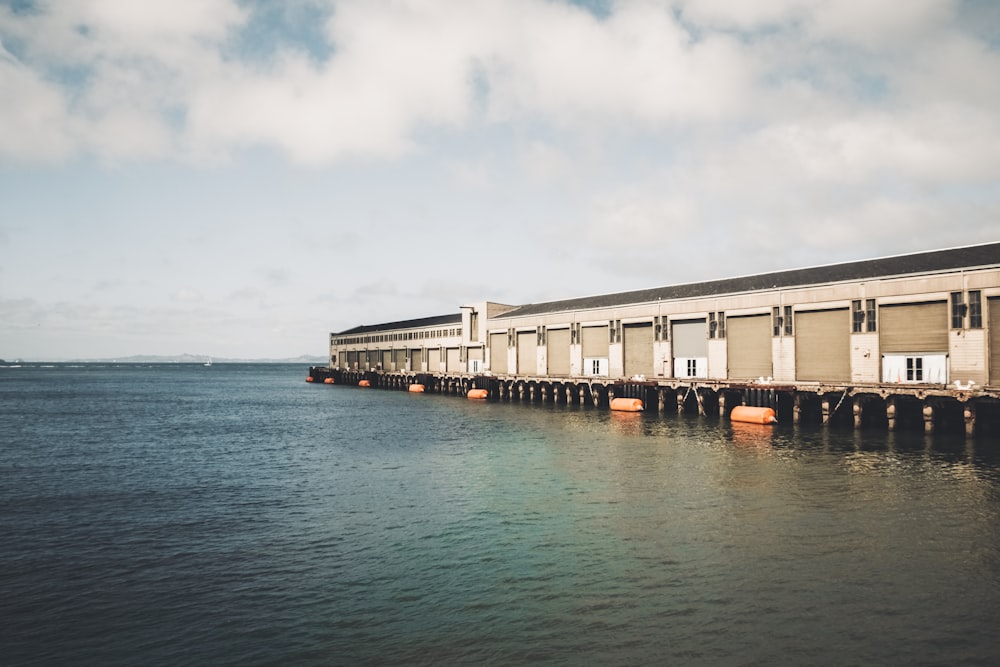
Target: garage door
{"points": [[823, 345], [595, 341], [416, 359], [689, 338], [498, 353], [914, 327], [434, 360], [638, 343], [399, 359], [558, 351], [993, 306], [527, 353], [748, 346], [452, 360]]}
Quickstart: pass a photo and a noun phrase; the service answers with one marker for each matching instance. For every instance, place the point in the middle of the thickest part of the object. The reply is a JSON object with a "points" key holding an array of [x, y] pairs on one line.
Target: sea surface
{"points": [[236, 515]]}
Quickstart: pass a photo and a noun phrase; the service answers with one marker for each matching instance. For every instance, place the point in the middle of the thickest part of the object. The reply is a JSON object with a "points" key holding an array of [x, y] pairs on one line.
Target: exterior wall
{"points": [[783, 354], [718, 359], [965, 350], [865, 357], [968, 349]]}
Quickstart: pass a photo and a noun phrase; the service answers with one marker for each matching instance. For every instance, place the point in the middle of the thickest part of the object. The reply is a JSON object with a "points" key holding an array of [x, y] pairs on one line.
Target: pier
{"points": [[903, 342], [889, 407]]}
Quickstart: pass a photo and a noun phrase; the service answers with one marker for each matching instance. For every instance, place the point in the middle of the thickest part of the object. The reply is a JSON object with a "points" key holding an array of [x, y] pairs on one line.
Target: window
{"points": [[957, 310], [870, 315], [857, 316], [717, 325], [776, 317], [788, 320], [474, 327], [914, 369], [595, 366], [975, 309], [692, 368]]}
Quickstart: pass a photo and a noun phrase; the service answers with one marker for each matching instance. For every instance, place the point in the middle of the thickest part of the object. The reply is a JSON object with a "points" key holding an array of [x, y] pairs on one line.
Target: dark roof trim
{"points": [[421, 323], [969, 257]]}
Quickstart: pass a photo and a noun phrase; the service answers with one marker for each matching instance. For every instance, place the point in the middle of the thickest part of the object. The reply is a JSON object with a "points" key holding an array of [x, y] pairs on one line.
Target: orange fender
{"points": [[364, 383], [309, 379], [478, 393], [745, 413], [328, 381], [627, 404], [416, 388]]}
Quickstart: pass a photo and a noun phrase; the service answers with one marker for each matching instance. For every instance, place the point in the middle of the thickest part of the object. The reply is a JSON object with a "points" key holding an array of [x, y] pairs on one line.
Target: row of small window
{"points": [[973, 309], [388, 338]]}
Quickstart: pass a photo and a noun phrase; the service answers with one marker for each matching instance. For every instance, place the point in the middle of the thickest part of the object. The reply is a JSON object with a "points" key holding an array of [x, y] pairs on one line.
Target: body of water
{"points": [[178, 514]]}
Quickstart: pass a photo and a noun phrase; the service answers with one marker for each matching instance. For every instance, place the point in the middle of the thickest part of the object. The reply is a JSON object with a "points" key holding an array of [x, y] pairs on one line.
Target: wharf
{"points": [[974, 410]]}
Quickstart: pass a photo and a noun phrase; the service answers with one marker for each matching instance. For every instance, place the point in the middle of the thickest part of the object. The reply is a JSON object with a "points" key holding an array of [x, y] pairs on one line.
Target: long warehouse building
{"points": [[928, 318]]}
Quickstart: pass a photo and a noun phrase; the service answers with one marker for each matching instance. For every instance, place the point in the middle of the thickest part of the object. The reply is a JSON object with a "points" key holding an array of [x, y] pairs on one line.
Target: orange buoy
{"points": [[745, 413], [416, 388], [626, 404], [328, 381], [478, 393], [364, 383], [309, 379]]}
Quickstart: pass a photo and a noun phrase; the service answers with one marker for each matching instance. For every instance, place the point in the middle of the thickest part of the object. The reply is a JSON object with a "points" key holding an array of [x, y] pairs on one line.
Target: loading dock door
{"points": [[452, 360], [416, 360], [914, 327], [498, 353], [399, 360], [690, 348], [823, 345], [558, 351], [527, 353], [434, 360], [595, 341], [638, 342], [748, 346], [993, 305]]}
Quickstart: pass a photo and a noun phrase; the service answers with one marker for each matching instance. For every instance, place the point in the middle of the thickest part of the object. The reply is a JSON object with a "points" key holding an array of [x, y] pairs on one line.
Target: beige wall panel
{"points": [[476, 354], [416, 359], [527, 353], [967, 356], [434, 360], [823, 345], [865, 357], [915, 327], [558, 352], [399, 359], [749, 347], [637, 340], [595, 341]]}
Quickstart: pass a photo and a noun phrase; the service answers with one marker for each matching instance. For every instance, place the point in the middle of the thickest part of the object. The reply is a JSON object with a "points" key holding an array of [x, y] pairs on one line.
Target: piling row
{"points": [[891, 407]]}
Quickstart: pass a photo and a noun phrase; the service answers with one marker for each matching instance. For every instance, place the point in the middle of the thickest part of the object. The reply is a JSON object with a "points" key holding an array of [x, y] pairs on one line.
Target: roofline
{"points": [[577, 303]]}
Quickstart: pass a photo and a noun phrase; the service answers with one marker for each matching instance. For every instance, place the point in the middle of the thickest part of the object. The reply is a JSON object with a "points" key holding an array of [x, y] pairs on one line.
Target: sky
{"points": [[239, 178]]}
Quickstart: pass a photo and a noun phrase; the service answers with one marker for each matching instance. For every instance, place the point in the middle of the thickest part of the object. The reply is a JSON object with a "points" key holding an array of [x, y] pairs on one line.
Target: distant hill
{"points": [[202, 358]]}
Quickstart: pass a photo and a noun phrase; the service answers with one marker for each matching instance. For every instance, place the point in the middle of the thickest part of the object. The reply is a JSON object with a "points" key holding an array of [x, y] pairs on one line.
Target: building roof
{"points": [[968, 257], [420, 323]]}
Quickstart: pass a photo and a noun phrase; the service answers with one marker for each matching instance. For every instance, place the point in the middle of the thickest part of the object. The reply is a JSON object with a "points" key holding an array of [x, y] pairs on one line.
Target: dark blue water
{"points": [[237, 515]]}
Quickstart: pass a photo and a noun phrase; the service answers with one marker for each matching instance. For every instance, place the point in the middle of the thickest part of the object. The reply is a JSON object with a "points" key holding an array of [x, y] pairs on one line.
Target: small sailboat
{"points": [[209, 362]]}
